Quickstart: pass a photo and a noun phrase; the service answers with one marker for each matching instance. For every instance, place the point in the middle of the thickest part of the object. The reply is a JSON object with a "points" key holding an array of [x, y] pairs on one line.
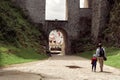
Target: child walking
{"points": [[94, 62]]}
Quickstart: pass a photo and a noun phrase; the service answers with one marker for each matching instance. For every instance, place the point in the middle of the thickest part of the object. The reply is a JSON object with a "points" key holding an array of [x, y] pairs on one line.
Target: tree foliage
{"points": [[113, 30]]}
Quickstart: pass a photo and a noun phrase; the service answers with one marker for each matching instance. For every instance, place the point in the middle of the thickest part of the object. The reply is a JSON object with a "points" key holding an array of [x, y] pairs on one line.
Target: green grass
{"points": [[16, 30], [113, 56], [11, 55], [86, 54]]}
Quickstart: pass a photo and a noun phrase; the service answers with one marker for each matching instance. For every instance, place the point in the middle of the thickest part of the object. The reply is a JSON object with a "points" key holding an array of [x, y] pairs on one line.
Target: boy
{"points": [[94, 62]]}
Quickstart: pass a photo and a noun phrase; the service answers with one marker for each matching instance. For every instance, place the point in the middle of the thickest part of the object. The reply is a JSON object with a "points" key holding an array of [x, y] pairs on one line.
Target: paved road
{"points": [[58, 68]]}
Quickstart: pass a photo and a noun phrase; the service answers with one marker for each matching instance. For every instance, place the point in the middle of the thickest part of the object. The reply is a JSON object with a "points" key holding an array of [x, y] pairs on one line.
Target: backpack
{"points": [[101, 53]]}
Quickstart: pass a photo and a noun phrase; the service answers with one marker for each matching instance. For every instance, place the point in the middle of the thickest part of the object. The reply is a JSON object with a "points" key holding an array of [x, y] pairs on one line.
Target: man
{"points": [[100, 53]]}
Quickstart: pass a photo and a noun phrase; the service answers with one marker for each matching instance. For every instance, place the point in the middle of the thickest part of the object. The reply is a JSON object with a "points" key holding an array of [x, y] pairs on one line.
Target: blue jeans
{"points": [[94, 66]]}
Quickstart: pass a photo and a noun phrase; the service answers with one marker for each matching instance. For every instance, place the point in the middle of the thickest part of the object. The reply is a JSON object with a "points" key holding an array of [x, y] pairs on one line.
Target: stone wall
{"points": [[35, 9], [61, 26], [100, 13], [78, 23], [95, 19], [81, 21], [74, 18]]}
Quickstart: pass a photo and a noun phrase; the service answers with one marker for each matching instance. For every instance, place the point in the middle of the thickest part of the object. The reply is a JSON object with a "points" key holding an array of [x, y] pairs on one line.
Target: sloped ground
{"points": [[59, 68]]}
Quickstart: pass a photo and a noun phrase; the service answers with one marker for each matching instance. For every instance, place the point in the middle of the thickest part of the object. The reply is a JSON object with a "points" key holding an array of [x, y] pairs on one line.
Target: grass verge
{"points": [[113, 56], [11, 55]]}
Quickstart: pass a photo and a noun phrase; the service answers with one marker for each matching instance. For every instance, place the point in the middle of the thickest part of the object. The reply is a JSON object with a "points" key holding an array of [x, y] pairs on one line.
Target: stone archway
{"points": [[58, 41]]}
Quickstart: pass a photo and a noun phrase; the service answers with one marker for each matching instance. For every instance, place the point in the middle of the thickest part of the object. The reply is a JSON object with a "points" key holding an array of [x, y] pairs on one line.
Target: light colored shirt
{"points": [[98, 51]]}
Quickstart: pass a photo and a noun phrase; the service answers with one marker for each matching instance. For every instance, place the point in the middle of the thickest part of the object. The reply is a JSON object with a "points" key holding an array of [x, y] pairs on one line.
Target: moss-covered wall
{"points": [[15, 29], [112, 32]]}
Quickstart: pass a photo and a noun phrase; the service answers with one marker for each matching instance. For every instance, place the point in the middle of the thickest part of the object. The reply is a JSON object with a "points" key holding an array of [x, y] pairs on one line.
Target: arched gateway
{"points": [[58, 41], [88, 20], [60, 26]]}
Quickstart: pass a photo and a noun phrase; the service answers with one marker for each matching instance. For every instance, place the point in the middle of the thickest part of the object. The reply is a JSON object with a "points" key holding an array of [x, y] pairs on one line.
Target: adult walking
{"points": [[101, 55]]}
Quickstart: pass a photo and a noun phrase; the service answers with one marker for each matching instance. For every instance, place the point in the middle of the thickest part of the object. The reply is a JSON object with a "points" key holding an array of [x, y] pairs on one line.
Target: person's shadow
{"points": [[105, 72]]}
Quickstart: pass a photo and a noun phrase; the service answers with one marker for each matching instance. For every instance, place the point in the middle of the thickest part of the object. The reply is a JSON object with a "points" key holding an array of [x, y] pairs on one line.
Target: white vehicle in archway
{"points": [[55, 50]]}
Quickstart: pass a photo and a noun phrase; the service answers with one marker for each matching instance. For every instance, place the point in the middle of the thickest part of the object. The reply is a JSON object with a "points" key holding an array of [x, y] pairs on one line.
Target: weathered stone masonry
{"points": [[78, 18], [100, 12]]}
